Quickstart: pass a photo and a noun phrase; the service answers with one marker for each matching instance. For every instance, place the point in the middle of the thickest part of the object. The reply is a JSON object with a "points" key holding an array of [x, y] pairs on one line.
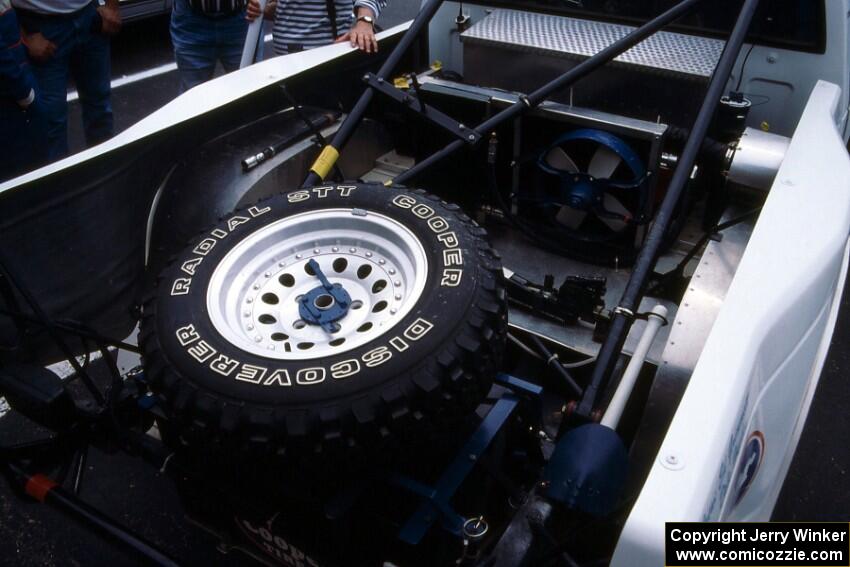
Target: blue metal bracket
{"points": [[325, 304], [437, 498]]}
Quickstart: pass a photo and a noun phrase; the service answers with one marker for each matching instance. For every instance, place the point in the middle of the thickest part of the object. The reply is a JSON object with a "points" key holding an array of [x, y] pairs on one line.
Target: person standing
{"points": [[205, 32], [71, 36], [22, 128], [305, 24]]}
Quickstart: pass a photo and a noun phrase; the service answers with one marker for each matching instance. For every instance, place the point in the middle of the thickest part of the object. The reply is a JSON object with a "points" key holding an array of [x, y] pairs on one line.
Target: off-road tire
{"points": [[443, 373]]}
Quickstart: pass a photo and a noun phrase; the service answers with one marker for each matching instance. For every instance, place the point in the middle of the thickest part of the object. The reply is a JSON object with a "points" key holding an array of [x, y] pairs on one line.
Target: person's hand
{"points": [[40, 48], [252, 11], [110, 15], [361, 36]]}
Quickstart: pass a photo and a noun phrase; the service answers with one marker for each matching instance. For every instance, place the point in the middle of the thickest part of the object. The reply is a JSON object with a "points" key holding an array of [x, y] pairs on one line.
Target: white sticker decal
{"points": [[251, 373], [256, 211], [418, 329], [377, 356], [202, 351], [204, 246], [453, 257], [297, 196], [399, 344], [345, 369], [451, 277], [187, 335], [422, 211], [190, 265], [224, 365], [278, 378], [404, 201], [181, 286], [310, 376], [233, 222], [322, 192]]}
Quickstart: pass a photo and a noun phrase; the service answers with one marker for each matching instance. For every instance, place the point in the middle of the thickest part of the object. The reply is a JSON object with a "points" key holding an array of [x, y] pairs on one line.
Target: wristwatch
{"points": [[368, 19]]}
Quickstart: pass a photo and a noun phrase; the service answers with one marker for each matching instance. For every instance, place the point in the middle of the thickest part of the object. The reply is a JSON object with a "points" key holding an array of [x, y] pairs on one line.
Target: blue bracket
{"points": [[325, 304], [437, 498]]}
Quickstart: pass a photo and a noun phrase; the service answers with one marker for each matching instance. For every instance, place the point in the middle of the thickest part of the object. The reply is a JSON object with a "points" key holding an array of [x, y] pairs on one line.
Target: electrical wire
{"points": [[744, 66]]}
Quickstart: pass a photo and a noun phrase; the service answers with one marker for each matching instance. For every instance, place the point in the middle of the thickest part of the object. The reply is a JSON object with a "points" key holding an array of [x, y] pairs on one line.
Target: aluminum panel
{"points": [[572, 37]]}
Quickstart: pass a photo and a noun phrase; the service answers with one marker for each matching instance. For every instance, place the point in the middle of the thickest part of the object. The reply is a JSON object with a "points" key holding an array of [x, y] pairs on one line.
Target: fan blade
{"points": [[614, 205], [571, 218], [557, 158], [604, 163]]}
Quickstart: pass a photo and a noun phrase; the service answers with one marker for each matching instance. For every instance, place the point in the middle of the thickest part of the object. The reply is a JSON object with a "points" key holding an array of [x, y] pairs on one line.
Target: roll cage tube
{"points": [[329, 155]]}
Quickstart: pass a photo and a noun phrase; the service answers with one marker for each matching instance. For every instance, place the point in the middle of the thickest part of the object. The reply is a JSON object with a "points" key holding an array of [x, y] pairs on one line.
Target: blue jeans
{"points": [[200, 41], [23, 143], [85, 54]]}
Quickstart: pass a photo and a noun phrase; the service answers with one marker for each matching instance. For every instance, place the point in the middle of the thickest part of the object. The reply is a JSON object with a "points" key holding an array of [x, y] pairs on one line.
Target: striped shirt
{"points": [[305, 24], [51, 7], [218, 6]]}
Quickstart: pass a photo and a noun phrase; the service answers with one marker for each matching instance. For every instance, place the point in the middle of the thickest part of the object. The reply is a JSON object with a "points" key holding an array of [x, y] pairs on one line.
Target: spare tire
{"points": [[329, 317]]}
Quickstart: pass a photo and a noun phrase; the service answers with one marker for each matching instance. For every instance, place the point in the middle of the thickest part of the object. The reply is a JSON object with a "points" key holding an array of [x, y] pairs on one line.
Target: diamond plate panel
{"points": [[571, 37]]}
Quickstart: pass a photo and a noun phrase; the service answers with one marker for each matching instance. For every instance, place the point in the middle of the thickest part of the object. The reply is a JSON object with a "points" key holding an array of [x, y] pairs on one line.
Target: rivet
{"points": [[315, 250], [382, 261], [397, 283], [393, 311], [268, 274], [672, 459], [247, 314], [352, 250], [249, 300], [258, 339], [298, 256], [335, 249], [256, 286], [398, 297], [250, 327], [281, 264], [368, 254], [391, 271]]}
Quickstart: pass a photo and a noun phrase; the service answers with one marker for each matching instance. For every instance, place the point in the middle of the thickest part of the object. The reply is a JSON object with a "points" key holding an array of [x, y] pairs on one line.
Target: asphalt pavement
{"points": [[144, 78]]}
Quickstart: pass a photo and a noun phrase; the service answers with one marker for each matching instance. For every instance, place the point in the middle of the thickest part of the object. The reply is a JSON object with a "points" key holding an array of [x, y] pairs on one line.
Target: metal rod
{"points": [[572, 76], [47, 491], [330, 153], [630, 302]]}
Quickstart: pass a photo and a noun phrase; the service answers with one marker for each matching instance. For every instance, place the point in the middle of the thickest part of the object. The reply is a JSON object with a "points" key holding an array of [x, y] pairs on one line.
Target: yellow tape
{"points": [[326, 160], [388, 183], [401, 83]]}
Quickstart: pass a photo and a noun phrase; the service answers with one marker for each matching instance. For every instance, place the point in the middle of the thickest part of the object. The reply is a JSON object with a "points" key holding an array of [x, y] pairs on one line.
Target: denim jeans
{"points": [[200, 41], [85, 54], [23, 144]]}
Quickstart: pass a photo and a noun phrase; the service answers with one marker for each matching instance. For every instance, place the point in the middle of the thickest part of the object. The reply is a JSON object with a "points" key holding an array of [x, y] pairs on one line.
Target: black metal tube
{"points": [[349, 125], [567, 79], [647, 258], [48, 492], [67, 503]]}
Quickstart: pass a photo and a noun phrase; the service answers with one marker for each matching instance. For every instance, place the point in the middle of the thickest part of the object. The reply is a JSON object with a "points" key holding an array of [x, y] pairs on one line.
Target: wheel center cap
{"points": [[325, 304]]}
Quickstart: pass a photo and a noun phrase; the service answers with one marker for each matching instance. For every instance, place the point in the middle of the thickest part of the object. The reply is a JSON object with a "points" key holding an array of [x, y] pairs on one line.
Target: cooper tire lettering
{"points": [[336, 399]]}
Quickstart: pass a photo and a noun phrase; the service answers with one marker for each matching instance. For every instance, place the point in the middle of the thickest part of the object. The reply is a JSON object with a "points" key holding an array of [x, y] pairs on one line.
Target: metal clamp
{"points": [[427, 111]]}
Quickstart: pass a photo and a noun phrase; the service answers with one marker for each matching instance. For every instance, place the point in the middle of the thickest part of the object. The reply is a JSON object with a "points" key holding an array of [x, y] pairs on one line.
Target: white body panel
{"points": [[206, 97], [762, 361]]}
